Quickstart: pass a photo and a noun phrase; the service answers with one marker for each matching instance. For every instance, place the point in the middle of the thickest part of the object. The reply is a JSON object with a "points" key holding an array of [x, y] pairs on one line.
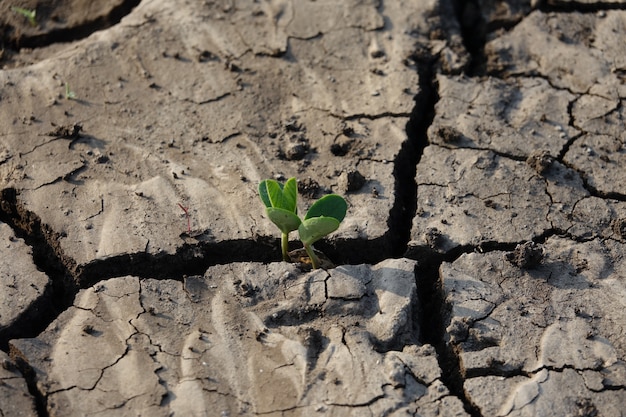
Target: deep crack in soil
{"points": [[46, 256], [429, 284], [16, 38], [31, 382], [578, 6], [193, 259], [474, 33]]}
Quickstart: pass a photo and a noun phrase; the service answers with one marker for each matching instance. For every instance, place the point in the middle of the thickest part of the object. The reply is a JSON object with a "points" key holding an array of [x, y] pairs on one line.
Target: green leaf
{"points": [[283, 196], [330, 205], [285, 220], [29, 14], [263, 193], [290, 195], [313, 229]]}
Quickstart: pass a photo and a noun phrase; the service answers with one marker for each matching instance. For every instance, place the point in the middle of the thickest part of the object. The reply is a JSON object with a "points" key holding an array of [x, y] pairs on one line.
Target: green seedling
{"points": [[323, 218], [69, 94], [281, 207], [28, 14]]}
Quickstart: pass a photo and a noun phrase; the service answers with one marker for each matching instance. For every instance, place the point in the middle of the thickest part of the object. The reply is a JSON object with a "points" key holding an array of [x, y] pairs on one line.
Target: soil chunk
{"points": [[526, 255]]}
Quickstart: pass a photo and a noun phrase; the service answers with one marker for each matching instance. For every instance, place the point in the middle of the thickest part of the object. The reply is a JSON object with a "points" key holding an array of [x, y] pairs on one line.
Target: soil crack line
{"points": [[48, 258], [429, 284], [433, 326]]}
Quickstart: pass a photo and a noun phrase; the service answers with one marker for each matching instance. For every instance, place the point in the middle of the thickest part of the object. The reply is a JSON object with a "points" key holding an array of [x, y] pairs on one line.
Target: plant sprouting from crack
{"points": [[322, 218], [281, 207], [28, 14]]}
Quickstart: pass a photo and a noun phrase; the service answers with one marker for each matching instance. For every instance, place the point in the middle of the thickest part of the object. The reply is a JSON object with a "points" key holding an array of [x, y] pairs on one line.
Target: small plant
{"points": [[322, 218], [69, 94], [281, 207], [28, 14]]}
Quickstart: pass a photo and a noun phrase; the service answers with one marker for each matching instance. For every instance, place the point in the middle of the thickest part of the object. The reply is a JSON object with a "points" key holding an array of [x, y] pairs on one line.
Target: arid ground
{"points": [[479, 271]]}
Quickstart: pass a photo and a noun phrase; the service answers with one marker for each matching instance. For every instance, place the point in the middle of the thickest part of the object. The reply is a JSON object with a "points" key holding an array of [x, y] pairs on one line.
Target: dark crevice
{"points": [[59, 295], [352, 251], [474, 34], [593, 191], [192, 258], [435, 314], [68, 34], [566, 6], [566, 147], [196, 258], [405, 167], [31, 382], [495, 371]]}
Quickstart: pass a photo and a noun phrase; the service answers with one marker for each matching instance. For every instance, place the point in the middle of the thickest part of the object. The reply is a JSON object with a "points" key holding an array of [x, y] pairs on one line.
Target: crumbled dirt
{"points": [[526, 255], [540, 161]]}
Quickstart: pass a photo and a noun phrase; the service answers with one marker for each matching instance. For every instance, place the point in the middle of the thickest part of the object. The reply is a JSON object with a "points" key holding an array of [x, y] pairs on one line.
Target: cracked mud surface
{"points": [[480, 146]]}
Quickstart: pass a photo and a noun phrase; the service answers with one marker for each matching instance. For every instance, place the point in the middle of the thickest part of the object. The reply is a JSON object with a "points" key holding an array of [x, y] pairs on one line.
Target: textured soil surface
{"points": [[480, 268]]}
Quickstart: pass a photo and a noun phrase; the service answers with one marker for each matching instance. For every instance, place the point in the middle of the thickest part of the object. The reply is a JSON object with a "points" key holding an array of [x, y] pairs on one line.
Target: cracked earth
{"points": [[480, 268]]}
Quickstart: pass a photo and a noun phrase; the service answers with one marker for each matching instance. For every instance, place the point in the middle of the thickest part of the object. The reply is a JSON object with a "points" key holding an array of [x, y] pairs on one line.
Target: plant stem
{"points": [[312, 256], [284, 243], [186, 210]]}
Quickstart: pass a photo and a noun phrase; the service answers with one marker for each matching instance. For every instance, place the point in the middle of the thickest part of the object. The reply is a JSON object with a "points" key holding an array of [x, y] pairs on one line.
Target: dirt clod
{"points": [[449, 134], [308, 187], [351, 181], [526, 255], [433, 237], [619, 228], [540, 161], [69, 131], [296, 148], [342, 146]]}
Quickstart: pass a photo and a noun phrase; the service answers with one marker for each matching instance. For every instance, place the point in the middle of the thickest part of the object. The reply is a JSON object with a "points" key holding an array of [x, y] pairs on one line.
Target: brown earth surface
{"points": [[480, 267]]}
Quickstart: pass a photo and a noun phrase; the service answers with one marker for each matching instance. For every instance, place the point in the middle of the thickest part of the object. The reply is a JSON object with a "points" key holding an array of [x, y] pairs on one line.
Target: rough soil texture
{"points": [[480, 147]]}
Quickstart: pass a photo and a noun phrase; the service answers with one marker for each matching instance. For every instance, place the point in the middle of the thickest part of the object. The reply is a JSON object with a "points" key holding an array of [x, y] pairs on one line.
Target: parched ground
{"points": [[479, 270]]}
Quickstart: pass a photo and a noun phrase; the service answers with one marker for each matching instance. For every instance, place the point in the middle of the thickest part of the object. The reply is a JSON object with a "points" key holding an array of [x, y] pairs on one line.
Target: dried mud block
{"points": [[581, 58], [601, 160], [51, 19], [546, 338], [567, 190], [498, 13], [23, 287], [513, 117], [535, 395], [578, 52], [196, 104], [472, 197], [469, 197], [15, 399], [243, 339]]}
